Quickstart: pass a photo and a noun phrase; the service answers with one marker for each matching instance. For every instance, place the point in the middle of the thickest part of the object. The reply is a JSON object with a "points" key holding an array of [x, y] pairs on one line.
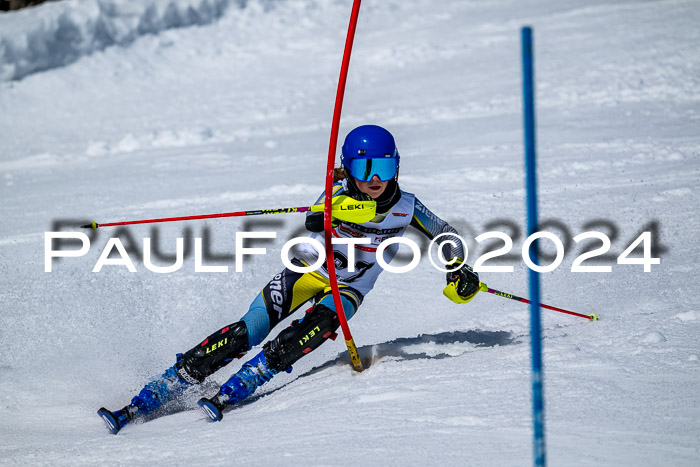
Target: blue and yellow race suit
{"points": [[289, 290]]}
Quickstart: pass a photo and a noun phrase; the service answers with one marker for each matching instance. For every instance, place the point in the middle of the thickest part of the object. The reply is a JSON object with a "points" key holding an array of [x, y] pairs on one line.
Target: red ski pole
{"points": [[485, 288], [95, 225], [353, 210]]}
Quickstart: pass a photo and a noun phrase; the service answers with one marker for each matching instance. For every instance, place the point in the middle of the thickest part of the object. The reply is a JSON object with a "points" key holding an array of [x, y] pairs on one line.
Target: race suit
{"points": [[289, 290]]}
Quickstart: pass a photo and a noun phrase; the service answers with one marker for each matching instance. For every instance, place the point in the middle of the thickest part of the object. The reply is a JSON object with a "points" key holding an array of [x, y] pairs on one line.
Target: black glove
{"points": [[462, 284]]}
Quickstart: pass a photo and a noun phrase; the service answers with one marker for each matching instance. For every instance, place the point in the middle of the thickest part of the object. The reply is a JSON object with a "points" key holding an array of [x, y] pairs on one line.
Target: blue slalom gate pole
{"points": [[539, 448]]}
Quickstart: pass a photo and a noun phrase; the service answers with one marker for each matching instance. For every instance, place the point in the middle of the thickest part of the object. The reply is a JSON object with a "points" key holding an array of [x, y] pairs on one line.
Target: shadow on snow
{"points": [[410, 348], [424, 346], [435, 346]]}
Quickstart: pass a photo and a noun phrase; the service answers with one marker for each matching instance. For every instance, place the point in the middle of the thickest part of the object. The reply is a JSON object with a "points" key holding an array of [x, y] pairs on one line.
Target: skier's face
{"points": [[374, 188]]}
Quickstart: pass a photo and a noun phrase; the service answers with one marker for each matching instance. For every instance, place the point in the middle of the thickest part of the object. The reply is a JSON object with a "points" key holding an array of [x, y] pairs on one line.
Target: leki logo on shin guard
{"points": [[309, 336], [221, 343]]}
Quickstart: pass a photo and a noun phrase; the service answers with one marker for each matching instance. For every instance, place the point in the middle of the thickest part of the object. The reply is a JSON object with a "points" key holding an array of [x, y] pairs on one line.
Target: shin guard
{"points": [[215, 352], [301, 338]]}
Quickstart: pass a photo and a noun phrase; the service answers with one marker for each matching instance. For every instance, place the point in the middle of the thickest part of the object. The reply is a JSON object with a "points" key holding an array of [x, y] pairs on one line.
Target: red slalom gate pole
{"points": [[327, 227], [486, 288]]}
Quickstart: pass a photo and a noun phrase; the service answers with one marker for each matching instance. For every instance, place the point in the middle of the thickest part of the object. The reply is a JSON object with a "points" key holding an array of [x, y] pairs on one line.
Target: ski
{"points": [[115, 421], [211, 408]]}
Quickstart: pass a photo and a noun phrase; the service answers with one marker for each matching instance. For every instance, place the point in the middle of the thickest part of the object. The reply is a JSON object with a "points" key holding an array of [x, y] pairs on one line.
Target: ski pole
{"points": [[485, 288], [353, 211]]}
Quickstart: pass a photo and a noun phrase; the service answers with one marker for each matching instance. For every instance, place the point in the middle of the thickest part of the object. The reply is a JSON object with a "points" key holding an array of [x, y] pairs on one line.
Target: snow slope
{"points": [[234, 113], [59, 34]]}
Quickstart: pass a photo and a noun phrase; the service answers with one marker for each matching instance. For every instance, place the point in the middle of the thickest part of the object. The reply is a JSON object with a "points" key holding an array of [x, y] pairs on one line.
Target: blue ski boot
{"points": [[150, 399], [158, 392], [253, 374]]}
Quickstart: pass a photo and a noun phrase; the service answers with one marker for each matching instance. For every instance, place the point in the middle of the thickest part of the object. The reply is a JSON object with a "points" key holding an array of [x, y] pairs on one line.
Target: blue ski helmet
{"points": [[370, 150]]}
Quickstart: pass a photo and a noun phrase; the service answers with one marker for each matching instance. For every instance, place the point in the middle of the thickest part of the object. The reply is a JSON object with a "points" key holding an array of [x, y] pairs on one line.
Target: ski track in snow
{"points": [[230, 110]]}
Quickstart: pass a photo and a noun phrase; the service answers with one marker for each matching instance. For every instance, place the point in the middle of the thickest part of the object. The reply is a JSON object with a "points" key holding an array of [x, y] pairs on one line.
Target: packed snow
{"points": [[59, 34], [117, 110]]}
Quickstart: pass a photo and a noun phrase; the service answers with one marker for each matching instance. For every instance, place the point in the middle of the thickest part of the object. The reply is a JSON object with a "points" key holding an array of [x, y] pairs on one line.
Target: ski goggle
{"points": [[365, 169]]}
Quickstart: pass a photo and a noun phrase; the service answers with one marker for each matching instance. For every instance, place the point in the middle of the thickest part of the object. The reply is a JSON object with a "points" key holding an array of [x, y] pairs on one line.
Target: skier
{"points": [[369, 170]]}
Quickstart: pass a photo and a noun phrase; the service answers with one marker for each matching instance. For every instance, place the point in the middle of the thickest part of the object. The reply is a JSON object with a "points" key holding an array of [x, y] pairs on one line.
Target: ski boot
{"points": [[150, 399], [253, 374]]}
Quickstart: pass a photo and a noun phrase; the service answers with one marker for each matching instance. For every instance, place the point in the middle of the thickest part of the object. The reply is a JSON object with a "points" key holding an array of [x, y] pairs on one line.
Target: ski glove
{"points": [[462, 284]]}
